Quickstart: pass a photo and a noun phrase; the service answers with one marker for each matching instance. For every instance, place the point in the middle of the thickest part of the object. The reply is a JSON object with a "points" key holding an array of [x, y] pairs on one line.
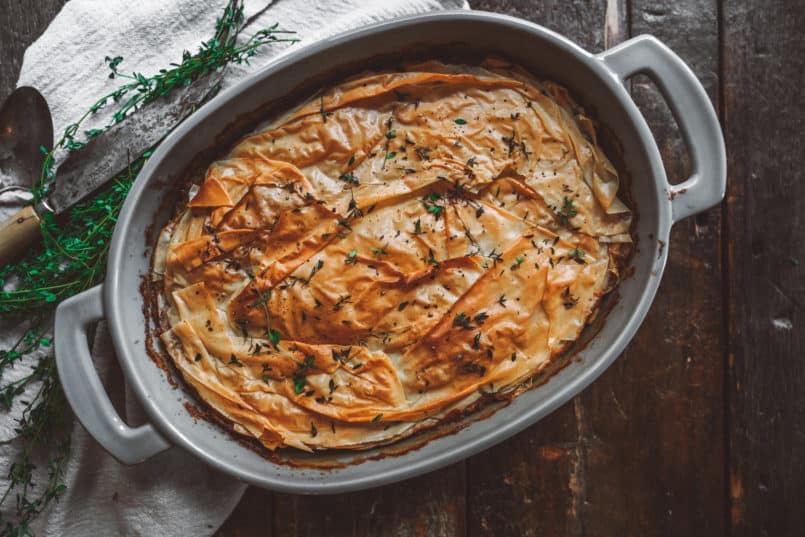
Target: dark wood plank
{"points": [[253, 517], [638, 453], [427, 506], [536, 483], [21, 22], [764, 53], [530, 484], [641, 451], [656, 456]]}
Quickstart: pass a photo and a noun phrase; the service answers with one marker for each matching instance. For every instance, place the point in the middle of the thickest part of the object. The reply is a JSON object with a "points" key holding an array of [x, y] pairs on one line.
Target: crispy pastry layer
{"points": [[378, 256]]}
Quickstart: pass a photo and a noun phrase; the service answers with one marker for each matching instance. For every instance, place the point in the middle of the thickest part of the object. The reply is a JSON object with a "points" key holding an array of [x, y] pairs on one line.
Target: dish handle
{"points": [[83, 388], [693, 112]]}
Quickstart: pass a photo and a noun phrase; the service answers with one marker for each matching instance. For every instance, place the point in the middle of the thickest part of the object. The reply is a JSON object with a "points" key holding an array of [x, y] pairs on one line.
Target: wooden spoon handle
{"points": [[17, 233]]}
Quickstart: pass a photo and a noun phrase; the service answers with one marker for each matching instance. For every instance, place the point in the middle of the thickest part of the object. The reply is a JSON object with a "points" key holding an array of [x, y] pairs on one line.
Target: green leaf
{"points": [[460, 121], [273, 336], [72, 257]]}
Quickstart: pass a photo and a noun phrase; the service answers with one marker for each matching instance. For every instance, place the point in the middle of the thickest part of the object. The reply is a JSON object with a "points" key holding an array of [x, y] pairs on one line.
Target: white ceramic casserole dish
{"points": [[596, 81]]}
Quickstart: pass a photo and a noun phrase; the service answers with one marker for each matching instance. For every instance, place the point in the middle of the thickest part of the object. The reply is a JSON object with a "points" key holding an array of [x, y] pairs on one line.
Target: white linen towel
{"points": [[173, 494]]}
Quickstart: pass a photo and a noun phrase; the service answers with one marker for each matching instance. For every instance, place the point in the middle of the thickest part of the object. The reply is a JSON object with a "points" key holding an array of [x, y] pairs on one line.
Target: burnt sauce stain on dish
{"points": [[425, 430]]}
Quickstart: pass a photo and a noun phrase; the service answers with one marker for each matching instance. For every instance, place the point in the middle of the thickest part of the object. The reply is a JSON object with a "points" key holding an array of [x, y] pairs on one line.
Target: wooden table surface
{"points": [[698, 427]]}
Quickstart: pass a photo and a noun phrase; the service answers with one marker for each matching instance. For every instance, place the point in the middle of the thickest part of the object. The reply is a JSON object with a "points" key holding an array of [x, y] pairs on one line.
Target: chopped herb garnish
{"points": [[341, 301], [435, 210], [423, 152], [313, 430], [317, 267], [354, 210], [234, 361], [349, 178], [380, 251], [430, 204], [517, 262], [391, 134], [577, 254], [390, 155], [402, 306], [417, 227], [262, 298], [568, 300], [377, 418], [262, 301], [510, 141], [299, 377], [476, 341], [351, 257], [495, 257], [567, 212], [480, 317], [460, 121], [462, 320], [502, 300], [273, 337], [351, 160], [472, 367]]}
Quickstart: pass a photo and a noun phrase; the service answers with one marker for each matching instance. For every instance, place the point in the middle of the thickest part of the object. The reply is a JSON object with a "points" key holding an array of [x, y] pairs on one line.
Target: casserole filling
{"points": [[388, 252]]}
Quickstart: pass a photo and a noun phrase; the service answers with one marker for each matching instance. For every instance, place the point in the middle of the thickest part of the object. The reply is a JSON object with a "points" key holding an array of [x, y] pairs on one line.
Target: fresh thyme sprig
{"points": [[72, 258]]}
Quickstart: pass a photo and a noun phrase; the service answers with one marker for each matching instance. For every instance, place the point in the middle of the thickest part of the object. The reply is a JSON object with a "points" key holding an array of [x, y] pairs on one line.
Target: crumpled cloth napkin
{"points": [[174, 493]]}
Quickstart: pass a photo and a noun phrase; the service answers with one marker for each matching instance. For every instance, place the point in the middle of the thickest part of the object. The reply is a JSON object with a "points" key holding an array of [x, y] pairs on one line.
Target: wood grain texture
{"points": [[764, 60], [655, 465], [253, 517], [660, 445], [645, 443], [431, 505], [537, 482]]}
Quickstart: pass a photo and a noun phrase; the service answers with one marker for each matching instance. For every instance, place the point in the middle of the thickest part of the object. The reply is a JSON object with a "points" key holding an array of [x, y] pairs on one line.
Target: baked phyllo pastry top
{"points": [[389, 252]]}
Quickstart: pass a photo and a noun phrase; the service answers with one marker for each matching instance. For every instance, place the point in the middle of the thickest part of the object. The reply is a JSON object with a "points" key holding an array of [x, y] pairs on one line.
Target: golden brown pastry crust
{"points": [[377, 257]]}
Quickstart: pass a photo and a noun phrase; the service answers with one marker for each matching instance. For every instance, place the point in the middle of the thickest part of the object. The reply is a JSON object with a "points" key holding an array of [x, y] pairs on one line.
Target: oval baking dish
{"points": [[594, 80]]}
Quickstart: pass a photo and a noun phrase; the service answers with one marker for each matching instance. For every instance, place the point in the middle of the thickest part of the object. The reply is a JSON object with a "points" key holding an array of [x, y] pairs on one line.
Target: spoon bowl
{"points": [[25, 128]]}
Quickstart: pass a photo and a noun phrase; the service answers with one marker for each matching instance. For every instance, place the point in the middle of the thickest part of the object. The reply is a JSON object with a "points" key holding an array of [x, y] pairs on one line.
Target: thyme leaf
{"points": [[72, 257]]}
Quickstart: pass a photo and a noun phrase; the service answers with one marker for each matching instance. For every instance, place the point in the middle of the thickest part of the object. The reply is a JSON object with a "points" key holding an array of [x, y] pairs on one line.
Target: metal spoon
{"points": [[25, 127]]}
